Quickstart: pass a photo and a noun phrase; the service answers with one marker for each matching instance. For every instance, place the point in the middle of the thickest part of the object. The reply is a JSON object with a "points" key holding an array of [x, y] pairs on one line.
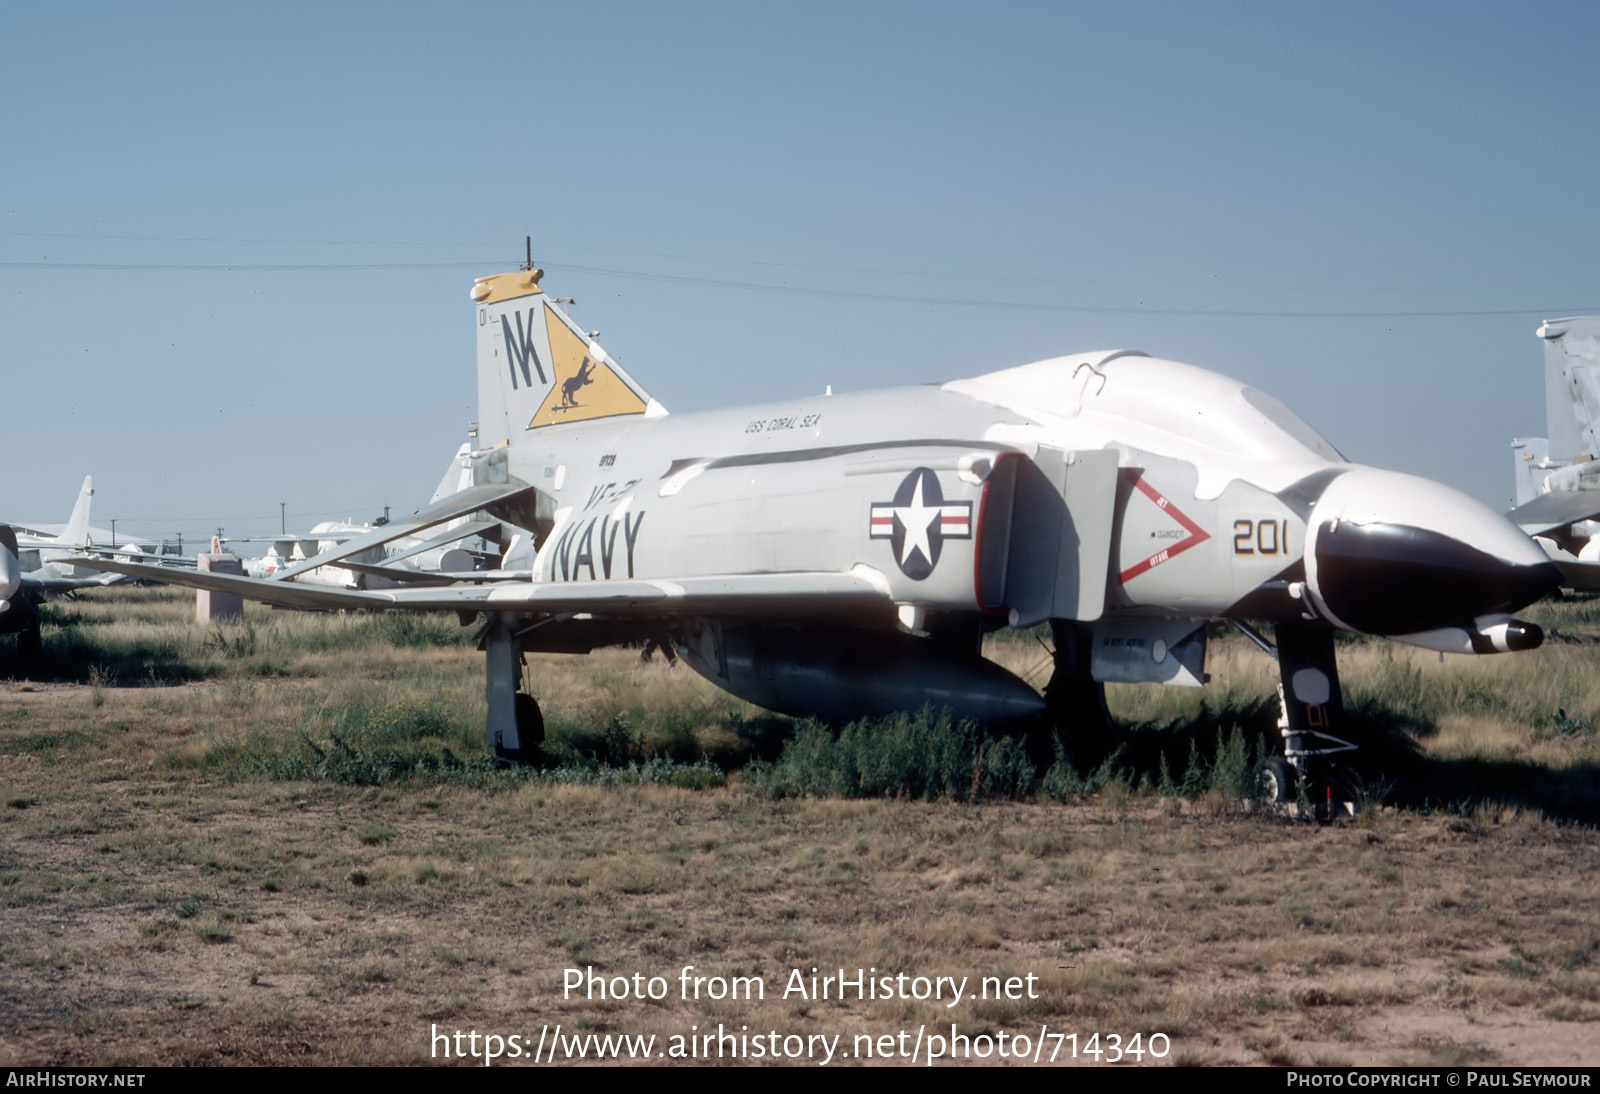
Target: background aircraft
{"points": [[23, 586], [17, 613], [35, 562], [56, 550], [1558, 475], [843, 555], [460, 546], [52, 562]]}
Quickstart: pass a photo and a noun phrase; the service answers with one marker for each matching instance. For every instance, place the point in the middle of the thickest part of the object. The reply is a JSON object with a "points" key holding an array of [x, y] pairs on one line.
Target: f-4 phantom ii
{"points": [[840, 556]]}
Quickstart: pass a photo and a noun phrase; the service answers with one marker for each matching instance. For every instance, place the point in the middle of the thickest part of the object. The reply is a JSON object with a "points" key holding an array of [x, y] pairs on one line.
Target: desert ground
{"points": [[282, 842]]}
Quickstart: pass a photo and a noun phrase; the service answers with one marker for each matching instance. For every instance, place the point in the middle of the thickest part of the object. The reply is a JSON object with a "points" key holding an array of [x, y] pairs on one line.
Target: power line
{"points": [[224, 239], [245, 267], [845, 294], [1020, 305]]}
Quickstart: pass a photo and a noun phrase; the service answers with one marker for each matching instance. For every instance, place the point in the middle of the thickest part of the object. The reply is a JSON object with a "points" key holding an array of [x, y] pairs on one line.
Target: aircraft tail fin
{"points": [[76, 533], [537, 368], [1572, 387], [457, 474], [1530, 459]]}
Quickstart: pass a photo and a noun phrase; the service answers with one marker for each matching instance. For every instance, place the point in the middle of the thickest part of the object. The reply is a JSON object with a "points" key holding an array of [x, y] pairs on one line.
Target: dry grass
{"points": [[163, 901]]}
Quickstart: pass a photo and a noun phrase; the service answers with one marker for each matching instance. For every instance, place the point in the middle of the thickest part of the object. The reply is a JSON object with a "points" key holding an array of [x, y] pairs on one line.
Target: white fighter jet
{"points": [[843, 555]]}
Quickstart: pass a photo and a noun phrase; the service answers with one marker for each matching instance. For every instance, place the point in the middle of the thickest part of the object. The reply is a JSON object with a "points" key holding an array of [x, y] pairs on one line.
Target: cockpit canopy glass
{"points": [[1292, 424]]}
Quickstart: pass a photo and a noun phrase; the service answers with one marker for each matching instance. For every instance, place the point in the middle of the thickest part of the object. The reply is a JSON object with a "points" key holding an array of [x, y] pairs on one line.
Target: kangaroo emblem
{"points": [[570, 389]]}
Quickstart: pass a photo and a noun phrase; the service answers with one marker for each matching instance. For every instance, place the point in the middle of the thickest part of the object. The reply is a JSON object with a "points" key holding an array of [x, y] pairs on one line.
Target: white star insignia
{"points": [[917, 518]]}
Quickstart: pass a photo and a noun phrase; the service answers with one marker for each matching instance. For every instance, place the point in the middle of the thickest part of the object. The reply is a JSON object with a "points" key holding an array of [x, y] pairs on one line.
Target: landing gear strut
{"points": [[30, 642], [1310, 707], [515, 727], [1075, 702]]}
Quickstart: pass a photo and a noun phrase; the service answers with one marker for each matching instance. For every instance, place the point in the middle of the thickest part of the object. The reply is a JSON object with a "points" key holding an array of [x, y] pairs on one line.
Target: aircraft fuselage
{"points": [[1217, 499]]}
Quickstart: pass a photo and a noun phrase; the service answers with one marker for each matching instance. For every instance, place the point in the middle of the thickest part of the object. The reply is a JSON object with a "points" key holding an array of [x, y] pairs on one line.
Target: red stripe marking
{"points": [[1197, 535], [977, 546]]}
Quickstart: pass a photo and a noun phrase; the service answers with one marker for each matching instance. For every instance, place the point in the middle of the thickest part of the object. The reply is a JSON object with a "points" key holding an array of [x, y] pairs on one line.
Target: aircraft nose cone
{"points": [[1385, 578], [1393, 554]]}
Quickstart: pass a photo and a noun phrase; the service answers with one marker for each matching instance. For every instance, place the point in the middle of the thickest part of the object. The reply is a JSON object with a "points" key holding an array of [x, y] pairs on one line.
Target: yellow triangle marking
{"points": [[583, 388]]}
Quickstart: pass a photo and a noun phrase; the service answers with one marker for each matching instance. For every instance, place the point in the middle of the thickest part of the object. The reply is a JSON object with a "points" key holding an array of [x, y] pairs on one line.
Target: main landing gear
{"points": [[515, 726], [1075, 703], [30, 640]]}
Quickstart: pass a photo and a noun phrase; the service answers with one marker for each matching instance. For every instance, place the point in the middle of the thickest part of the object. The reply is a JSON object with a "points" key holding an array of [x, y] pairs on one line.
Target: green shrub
{"points": [[926, 756]]}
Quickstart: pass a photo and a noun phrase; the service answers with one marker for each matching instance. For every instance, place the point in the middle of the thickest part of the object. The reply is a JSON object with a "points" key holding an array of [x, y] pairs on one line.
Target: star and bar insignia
{"points": [[918, 521]]}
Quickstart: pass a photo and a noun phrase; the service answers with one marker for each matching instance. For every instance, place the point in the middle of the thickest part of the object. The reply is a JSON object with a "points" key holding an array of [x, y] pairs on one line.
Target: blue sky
{"points": [[1038, 179]]}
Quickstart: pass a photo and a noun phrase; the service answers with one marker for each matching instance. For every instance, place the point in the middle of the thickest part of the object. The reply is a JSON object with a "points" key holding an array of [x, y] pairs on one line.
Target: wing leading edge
{"points": [[1556, 509], [860, 592]]}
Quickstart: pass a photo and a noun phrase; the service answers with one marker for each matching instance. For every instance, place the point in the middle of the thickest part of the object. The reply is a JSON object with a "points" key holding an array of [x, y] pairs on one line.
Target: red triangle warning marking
{"points": [[1196, 536]]}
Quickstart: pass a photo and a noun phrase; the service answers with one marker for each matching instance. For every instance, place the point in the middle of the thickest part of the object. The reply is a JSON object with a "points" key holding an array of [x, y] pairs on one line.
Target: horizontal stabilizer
{"points": [[456, 505], [1556, 509]]}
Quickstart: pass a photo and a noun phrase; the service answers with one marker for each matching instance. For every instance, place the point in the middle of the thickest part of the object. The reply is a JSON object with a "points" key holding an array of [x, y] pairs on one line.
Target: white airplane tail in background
{"points": [[76, 533], [457, 476], [537, 368], [1572, 387], [1530, 458]]}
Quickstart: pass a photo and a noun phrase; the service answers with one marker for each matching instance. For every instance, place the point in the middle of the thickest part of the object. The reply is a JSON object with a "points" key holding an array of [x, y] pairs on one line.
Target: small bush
{"points": [[1232, 775], [926, 756], [367, 747]]}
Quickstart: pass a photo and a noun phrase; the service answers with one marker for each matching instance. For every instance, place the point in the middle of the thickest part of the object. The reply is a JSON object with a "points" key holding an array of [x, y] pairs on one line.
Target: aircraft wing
{"points": [[1584, 577], [63, 584], [452, 535], [859, 592], [456, 505], [1556, 509], [405, 575]]}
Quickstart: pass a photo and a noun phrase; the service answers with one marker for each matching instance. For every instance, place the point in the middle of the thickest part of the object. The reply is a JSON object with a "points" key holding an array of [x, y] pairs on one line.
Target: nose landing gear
{"points": [[1310, 706], [1306, 778]]}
